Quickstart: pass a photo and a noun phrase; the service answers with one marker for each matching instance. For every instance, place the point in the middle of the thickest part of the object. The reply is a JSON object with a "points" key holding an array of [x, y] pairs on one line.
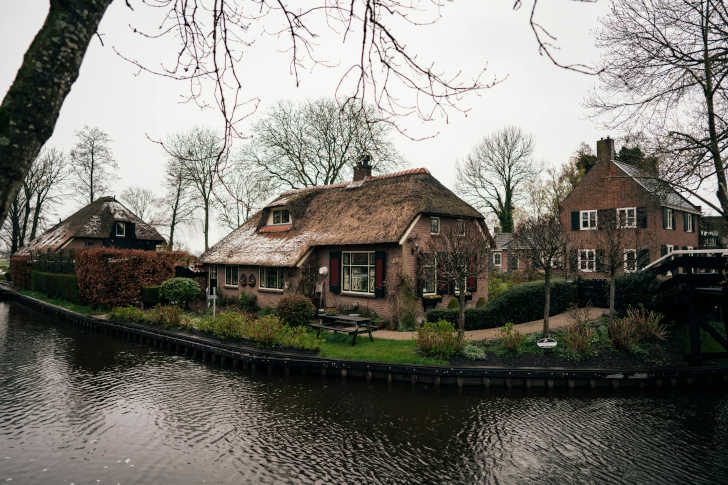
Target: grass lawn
{"points": [[337, 346], [84, 309]]}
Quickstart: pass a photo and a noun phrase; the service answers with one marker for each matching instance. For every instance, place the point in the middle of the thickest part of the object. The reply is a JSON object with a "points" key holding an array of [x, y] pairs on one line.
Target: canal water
{"points": [[82, 408]]}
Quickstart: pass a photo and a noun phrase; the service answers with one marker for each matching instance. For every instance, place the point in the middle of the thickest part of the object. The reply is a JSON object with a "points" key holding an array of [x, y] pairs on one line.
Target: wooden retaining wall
{"points": [[255, 359]]}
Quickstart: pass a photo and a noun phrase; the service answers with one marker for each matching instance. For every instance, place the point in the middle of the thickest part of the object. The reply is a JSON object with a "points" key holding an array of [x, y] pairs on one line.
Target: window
{"points": [[120, 229], [429, 275], [231, 275], [586, 260], [588, 220], [358, 272], [460, 227], [434, 225], [627, 217], [668, 218], [670, 248], [281, 216], [688, 222], [498, 259], [630, 260], [271, 278]]}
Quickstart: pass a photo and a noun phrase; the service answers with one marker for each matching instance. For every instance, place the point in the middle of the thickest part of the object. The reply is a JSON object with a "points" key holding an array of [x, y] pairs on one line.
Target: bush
{"points": [[511, 338], [473, 352], [268, 331], [296, 310], [522, 303], [223, 325], [297, 338], [56, 285], [150, 296], [453, 304], [623, 333], [169, 316], [264, 330], [248, 302], [481, 302], [128, 314], [20, 269], [639, 325], [438, 339], [578, 339], [179, 291]]}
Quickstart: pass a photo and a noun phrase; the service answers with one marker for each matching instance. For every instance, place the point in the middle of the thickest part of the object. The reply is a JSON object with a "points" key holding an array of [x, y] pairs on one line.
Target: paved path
{"points": [[555, 322]]}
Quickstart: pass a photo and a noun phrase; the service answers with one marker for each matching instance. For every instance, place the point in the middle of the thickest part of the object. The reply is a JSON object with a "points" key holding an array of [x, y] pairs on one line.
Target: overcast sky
{"points": [[537, 96]]}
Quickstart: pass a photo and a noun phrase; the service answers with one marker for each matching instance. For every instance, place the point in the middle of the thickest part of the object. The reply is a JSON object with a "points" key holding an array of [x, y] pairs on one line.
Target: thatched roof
{"points": [[377, 211], [95, 221]]}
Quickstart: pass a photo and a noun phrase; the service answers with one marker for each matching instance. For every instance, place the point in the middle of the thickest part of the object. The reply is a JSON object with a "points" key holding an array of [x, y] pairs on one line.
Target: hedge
{"points": [[20, 269], [150, 295], [56, 285]]}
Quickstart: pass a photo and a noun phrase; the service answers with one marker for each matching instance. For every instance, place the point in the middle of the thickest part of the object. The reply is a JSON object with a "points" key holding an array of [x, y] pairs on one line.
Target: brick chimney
{"points": [[363, 168], [605, 150]]}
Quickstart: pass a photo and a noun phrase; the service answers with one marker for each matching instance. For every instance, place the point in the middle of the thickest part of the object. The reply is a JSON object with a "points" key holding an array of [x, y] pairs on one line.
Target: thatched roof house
{"points": [[105, 222], [335, 225]]}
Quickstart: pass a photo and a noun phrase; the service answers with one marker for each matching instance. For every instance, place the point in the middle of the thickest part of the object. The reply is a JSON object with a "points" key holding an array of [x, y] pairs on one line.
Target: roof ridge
{"points": [[412, 171]]}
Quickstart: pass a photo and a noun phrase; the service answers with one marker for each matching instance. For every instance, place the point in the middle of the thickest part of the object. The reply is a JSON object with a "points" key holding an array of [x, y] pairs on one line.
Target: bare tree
{"points": [[245, 191], [139, 200], [92, 163], [197, 153], [177, 206], [494, 174], [461, 253], [665, 72], [318, 142], [540, 239]]}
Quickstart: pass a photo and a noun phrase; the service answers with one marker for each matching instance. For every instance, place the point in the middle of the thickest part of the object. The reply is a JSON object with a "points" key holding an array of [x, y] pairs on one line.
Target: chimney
{"points": [[605, 150], [363, 168]]}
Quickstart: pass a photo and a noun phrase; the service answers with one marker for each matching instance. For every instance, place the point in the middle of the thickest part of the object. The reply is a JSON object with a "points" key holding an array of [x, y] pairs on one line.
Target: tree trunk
{"points": [[30, 108], [207, 221], [461, 314], [612, 292], [547, 301], [91, 183]]}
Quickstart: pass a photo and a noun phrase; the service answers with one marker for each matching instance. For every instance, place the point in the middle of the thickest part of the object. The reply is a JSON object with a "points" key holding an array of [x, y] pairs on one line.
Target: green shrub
{"points": [[481, 302], [297, 338], [453, 304], [224, 325], [128, 314], [511, 338], [150, 296], [473, 352], [248, 302], [296, 310], [179, 291], [264, 330], [638, 326], [63, 286], [497, 285], [438, 339], [169, 316], [578, 339], [623, 333]]}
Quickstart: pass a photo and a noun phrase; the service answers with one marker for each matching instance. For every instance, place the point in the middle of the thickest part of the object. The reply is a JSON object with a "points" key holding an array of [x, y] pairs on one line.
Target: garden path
{"points": [[556, 322]]}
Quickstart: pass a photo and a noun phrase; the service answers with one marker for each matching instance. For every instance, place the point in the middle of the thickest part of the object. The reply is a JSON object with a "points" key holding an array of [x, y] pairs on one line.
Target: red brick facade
{"points": [[608, 187]]}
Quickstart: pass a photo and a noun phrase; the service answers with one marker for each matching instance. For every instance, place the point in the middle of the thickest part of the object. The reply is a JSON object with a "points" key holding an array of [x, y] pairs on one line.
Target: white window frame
{"points": [[588, 226], [280, 221], [668, 216], [262, 280], [690, 221], [121, 225], [670, 248], [429, 261], [499, 263], [229, 276], [371, 274], [636, 264], [624, 221], [213, 271], [592, 260], [437, 221]]}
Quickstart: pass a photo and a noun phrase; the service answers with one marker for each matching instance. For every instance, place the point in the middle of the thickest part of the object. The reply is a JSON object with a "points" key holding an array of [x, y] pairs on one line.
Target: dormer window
{"points": [[281, 216], [120, 230]]}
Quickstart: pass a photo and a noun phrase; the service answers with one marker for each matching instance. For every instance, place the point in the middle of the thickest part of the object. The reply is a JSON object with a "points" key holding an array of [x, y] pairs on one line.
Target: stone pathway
{"points": [[556, 322]]}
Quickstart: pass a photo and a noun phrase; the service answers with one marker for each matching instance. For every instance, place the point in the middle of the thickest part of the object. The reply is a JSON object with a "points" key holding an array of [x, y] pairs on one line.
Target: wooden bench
{"points": [[346, 324]]}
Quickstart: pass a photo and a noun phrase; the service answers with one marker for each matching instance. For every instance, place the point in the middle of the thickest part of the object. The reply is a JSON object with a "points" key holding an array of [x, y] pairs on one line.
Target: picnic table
{"points": [[347, 324]]}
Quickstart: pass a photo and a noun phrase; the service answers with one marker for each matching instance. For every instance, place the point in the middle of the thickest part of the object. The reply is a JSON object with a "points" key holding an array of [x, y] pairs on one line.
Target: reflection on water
{"points": [[85, 408]]}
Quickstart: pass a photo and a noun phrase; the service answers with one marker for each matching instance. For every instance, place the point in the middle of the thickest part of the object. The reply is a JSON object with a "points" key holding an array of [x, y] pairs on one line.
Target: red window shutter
{"points": [[380, 258], [334, 272], [472, 279]]}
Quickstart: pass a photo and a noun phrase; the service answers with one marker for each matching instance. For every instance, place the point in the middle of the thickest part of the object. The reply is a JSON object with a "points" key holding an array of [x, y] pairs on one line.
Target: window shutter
{"points": [[573, 260], [674, 220], [599, 261], [380, 258], [574, 220], [641, 217], [685, 221], [335, 272], [643, 258], [664, 217], [418, 272], [663, 250], [132, 230], [472, 279], [441, 281]]}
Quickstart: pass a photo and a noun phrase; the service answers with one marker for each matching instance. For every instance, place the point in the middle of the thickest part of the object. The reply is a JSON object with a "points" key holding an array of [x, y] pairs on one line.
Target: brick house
{"points": [[105, 222], [350, 244], [505, 257], [657, 219]]}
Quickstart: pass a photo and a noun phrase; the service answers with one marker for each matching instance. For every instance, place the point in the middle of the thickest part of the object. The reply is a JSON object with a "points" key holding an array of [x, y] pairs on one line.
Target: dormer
{"points": [[277, 218]]}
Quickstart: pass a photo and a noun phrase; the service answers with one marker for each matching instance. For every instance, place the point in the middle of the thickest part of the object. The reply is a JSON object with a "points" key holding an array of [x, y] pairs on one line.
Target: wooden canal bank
{"points": [[253, 359]]}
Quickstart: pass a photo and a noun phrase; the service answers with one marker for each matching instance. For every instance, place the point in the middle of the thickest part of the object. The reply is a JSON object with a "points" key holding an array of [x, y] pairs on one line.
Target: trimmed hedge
{"points": [[150, 295], [56, 285], [20, 269], [179, 291], [522, 303]]}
